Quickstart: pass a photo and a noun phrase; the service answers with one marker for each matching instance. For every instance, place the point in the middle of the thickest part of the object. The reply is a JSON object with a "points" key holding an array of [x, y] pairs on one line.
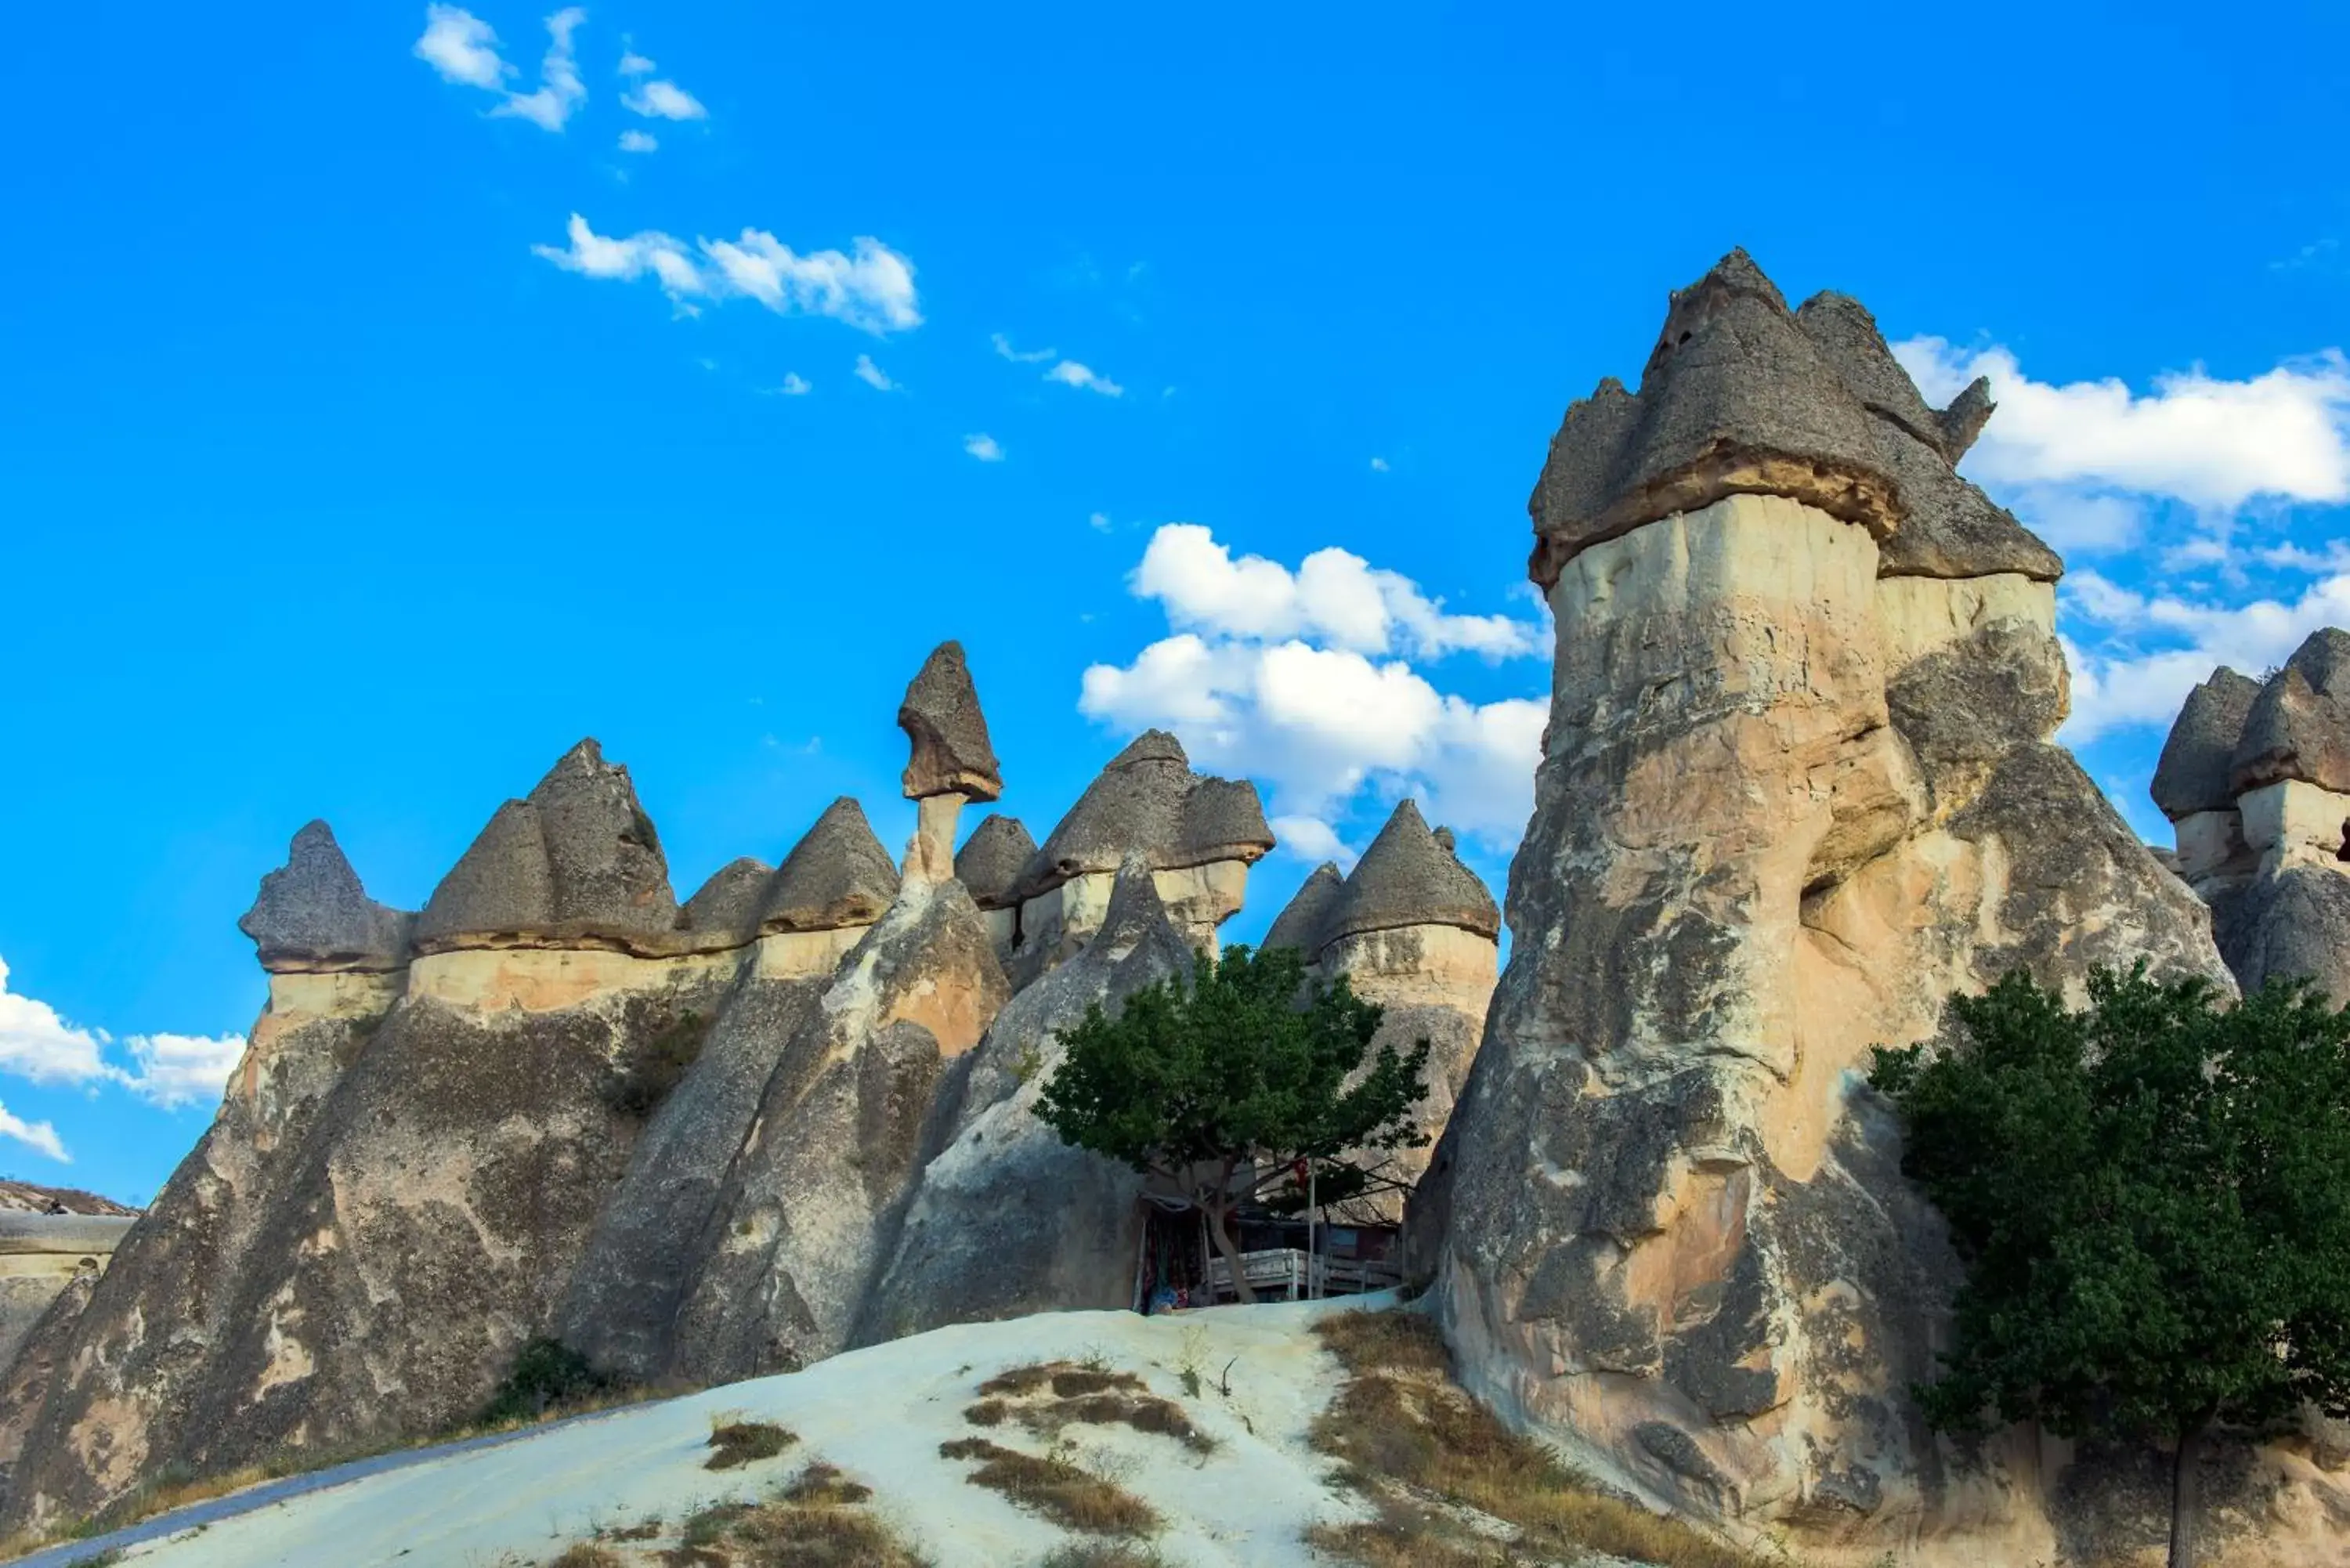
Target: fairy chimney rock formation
{"points": [[988, 866], [952, 760], [2255, 779], [1198, 834], [1304, 917], [312, 916], [837, 881], [1797, 786]]}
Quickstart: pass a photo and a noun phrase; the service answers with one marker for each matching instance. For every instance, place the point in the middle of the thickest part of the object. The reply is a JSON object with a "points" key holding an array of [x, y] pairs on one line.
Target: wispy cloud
{"points": [[870, 287], [664, 101], [795, 385], [1378, 465], [1029, 356], [1069, 373], [633, 64], [983, 447], [872, 375], [639, 141], [464, 49]]}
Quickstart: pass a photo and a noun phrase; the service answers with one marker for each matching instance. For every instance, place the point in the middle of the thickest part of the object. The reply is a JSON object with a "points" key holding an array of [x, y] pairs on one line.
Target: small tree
{"points": [[2152, 1200], [1221, 1086]]}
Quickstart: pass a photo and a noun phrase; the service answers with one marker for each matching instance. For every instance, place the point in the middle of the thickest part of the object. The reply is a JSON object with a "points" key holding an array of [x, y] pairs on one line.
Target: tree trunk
{"points": [[1223, 1240], [2183, 1492]]}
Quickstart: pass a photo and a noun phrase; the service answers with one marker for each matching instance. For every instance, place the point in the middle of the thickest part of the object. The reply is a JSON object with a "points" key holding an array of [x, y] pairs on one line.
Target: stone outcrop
{"points": [[1006, 1218], [313, 915], [1198, 835], [1796, 787], [2255, 779], [941, 716], [1413, 929], [989, 866]]}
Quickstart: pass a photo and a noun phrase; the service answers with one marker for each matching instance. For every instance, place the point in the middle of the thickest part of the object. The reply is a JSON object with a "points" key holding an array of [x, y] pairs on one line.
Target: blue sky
{"points": [[343, 474]]}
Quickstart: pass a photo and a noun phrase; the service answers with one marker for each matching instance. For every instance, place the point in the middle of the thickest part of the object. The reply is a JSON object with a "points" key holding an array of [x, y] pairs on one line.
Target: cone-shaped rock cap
{"points": [[730, 902], [1407, 878], [2197, 770], [312, 911], [1304, 918], [1741, 396], [2299, 726], [1149, 800], [838, 875], [941, 716], [990, 862], [578, 858]]}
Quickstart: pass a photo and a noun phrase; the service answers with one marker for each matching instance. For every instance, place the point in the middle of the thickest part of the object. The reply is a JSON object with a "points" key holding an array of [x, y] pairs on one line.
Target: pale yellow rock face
{"points": [[1199, 898], [546, 979], [2213, 852], [931, 856], [2293, 823], [1678, 1242]]}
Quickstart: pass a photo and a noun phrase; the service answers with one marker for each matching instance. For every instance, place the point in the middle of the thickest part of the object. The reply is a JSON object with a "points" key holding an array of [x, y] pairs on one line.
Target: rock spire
{"points": [[836, 874], [313, 914], [1410, 877], [941, 716]]}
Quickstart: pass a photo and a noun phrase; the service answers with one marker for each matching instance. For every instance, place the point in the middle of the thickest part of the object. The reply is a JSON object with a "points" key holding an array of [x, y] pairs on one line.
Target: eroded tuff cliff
{"points": [[1797, 786], [2255, 779], [693, 1142]]}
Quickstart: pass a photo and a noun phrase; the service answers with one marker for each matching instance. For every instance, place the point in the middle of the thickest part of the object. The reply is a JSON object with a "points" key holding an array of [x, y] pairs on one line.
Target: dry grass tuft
{"points": [[1418, 1541], [1104, 1555], [1070, 1379], [1055, 1488], [1399, 1419], [824, 1484], [643, 1529], [739, 1442], [1144, 1413], [582, 1555], [986, 1413]]}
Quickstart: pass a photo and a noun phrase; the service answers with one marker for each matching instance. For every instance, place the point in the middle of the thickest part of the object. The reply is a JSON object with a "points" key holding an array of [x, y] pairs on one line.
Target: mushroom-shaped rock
{"points": [[578, 858], [1949, 528], [1734, 399], [1407, 877], [1304, 919], [941, 716], [730, 903], [838, 875], [1149, 799], [2195, 773], [990, 862], [312, 912], [2299, 727]]}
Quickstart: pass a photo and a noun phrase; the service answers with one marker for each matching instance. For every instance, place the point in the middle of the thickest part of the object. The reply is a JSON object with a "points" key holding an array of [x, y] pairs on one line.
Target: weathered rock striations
{"points": [[1796, 787], [1005, 1218], [312, 914], [1198, 834], [2255, 779], [813, 1193], [621, 1307]]}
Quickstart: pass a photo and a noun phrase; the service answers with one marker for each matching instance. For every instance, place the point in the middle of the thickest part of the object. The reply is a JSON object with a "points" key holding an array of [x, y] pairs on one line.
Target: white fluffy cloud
{"points": [[1334, 596], [464, 49], [1021, 357], [1293, 677], [40, 1046], [873, 374], [2118, 680], [1313, 840], [795, 385], [1069, 373], [983, 447], [639, 141], [664, 101], [461, 47], [870, 286]]}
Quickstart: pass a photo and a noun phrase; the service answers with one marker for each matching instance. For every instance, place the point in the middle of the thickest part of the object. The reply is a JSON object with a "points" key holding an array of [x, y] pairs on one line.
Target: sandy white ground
{"points": [[879, 1415]]}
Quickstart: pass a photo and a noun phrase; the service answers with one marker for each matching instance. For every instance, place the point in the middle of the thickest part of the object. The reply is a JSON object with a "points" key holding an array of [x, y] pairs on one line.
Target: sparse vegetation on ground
{"points": [[586, 1555], [1104, 1555], [1076, 1395], [733, 1443], [1407, 1434], [814, 1522], [1055, 1488]]}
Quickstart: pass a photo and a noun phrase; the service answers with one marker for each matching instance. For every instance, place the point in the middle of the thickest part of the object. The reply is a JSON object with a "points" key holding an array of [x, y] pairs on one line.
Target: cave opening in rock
{"points": [[2343, 853]]}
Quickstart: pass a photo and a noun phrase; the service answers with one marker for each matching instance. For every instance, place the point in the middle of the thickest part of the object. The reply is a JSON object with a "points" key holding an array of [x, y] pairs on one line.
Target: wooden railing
{"points": [[1291, 1275]]}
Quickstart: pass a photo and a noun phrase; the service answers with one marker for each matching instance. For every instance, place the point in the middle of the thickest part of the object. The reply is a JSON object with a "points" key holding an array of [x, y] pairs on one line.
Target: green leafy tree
{"points": [[1220, 1086], [2152, 1199]]}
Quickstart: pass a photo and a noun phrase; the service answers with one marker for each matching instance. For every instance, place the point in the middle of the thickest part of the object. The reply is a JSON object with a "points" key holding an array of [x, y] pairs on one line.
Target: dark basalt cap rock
{"points": [[990, 861], [2195, 772], [312, 911], [2299, 726], [1734, 399], [1149, 799], [1742, 396], [838, 875], [1304, 920], [578, 860], [730, 902], [1949, 528], [941, 716], [1407, 878]]}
